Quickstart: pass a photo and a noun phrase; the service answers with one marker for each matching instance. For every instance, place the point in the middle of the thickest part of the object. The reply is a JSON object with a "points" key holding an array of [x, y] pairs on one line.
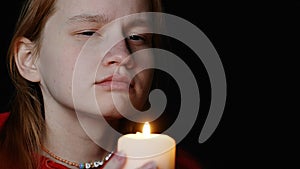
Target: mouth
{"points": [[115, 82]]}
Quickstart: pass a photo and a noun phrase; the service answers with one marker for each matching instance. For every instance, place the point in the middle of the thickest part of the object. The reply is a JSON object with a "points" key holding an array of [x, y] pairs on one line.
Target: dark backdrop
{"points": [[257, 44]]}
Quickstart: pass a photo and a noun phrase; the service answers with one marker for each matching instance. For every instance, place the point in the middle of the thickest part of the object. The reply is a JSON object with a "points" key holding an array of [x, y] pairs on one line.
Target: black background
{"points": [[258, 44]]}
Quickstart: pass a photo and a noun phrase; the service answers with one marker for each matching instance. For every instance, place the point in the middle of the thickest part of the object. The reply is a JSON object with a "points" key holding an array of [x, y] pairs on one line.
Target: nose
{"points": [[119, 55]]}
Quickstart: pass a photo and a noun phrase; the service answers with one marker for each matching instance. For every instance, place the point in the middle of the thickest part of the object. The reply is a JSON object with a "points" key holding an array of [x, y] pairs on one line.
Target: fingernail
{"points": [[150, 165]]}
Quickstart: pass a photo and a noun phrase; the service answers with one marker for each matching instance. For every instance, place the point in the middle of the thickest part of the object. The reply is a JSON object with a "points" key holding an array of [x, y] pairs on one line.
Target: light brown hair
{"points": [[22, 133]]}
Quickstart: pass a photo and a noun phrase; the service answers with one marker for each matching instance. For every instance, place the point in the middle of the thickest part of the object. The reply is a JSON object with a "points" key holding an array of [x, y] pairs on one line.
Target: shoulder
{"points": [[3, 118]]}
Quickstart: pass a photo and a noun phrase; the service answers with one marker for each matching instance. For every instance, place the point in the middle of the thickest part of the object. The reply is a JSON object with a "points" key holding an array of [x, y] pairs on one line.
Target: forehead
{"points": [[112, 9]]}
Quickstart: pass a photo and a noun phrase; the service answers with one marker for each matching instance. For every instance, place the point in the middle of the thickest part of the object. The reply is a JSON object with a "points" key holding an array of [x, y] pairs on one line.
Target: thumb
{"points": [[149, 165], [116, 162]]}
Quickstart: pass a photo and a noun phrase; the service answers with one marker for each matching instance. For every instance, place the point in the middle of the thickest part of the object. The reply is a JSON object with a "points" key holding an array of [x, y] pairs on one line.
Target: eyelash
{"points": [[136, 39], [87, 33], [133, 37]]}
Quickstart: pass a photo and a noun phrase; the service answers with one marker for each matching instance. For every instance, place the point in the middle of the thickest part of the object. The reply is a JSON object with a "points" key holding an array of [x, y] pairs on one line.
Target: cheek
{"points": [[58, 52], [147, 79], [144, 83], [57, 66]]}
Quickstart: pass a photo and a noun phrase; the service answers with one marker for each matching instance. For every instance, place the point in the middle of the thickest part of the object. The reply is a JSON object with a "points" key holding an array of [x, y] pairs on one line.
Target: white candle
{"points": [[144, 147]]}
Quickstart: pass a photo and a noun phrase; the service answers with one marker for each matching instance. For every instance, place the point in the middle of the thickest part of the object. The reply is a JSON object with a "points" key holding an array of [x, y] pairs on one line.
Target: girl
{"points": [[43, 130]]}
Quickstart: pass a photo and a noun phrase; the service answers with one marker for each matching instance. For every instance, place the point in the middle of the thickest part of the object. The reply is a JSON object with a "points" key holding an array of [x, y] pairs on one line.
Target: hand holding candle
{"points": [[144, 147]]}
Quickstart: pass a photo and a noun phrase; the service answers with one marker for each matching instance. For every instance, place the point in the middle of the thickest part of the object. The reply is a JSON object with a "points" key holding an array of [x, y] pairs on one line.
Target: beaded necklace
{"points": [[87, 165]]}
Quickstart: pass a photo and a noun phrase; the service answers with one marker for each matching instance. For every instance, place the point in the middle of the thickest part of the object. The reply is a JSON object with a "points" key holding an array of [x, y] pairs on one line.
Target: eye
{"points": [[136, 39], [87, 33]]}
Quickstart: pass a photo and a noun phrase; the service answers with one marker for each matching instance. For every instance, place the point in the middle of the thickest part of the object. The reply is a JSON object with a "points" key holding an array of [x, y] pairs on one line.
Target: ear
{"points": [[26, 60]]}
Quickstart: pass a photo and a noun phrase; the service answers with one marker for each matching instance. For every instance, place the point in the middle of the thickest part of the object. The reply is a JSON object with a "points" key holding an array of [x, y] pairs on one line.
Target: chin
{"points": [[119, 108]]}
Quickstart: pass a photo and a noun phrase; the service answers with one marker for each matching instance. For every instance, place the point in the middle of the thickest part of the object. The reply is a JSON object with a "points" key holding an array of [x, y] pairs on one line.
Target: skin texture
{"points": [[71, 45]]}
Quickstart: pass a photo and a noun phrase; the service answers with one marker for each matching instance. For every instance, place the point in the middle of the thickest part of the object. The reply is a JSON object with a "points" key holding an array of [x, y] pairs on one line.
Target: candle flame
{"points": [[146, 129]]}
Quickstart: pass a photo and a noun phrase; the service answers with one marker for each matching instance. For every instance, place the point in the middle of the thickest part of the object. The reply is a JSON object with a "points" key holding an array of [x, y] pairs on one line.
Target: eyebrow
{"points": [[99, 18], [103, 19]]}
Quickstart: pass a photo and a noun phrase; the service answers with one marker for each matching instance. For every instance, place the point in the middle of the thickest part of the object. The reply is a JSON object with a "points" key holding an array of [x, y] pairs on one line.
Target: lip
{"points": [[115, 82]]}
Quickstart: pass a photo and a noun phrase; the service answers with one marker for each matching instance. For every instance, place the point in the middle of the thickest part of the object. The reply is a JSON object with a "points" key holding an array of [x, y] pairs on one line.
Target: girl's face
{"points": [[83, 64]]}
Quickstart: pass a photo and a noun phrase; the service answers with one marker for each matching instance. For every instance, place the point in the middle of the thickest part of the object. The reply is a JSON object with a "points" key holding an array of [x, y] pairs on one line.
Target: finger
{"points": [[116, 162], [149, 165]]}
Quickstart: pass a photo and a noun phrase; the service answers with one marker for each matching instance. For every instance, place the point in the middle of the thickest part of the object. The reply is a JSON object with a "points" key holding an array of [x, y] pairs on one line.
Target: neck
{"points": [[65, 136]]}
